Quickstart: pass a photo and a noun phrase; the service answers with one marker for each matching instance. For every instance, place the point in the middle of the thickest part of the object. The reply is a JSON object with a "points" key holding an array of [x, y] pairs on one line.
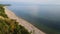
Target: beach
{"points": [[23, 22]]}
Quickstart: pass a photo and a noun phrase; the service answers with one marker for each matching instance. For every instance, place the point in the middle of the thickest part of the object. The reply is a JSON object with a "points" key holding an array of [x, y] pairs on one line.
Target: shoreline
{"points": [[23, 22]]}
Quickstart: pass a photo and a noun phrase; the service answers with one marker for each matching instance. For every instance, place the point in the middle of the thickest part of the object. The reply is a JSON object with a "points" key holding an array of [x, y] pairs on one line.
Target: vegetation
{"points": [[2, 12], [5, 5], [10, 26]]}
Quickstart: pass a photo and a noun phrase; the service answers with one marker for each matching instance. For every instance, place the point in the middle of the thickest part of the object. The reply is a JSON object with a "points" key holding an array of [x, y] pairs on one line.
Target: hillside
{"points": [[10, 26], [31, 28]]}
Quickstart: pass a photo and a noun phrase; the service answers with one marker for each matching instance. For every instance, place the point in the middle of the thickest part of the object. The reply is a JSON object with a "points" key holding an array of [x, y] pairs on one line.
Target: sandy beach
{"points": [[23, 22]]}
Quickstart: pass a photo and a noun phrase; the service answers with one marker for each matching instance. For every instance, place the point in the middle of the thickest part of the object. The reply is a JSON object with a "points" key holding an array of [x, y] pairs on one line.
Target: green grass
{"points": [[2, 12], [10, 26]]}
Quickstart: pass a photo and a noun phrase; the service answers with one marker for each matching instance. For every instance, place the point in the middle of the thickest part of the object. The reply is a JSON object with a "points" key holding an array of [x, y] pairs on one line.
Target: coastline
{"points": [[23, 22]]}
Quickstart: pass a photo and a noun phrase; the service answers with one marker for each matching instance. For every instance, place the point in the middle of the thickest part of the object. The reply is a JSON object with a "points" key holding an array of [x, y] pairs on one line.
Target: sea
{"points": [[42, 16]]}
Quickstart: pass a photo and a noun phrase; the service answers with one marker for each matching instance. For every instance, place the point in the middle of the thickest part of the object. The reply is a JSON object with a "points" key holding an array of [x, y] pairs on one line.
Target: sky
{"points": [[36, 1]]}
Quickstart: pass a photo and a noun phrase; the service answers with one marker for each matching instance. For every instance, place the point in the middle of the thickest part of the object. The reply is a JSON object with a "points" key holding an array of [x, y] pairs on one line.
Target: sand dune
{"points": [[23, 22]]}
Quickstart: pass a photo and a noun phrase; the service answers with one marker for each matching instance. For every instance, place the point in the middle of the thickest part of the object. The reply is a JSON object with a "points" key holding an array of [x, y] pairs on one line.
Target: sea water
{"points": [[40, 15]]}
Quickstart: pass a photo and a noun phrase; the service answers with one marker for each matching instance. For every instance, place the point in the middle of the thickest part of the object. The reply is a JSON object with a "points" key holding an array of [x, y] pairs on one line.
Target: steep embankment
{"points": [[23, 22], [10, 26]]}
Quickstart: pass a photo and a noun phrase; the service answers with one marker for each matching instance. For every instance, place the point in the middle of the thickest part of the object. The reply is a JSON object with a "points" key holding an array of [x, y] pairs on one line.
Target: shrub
{"points": [[10, 26]]}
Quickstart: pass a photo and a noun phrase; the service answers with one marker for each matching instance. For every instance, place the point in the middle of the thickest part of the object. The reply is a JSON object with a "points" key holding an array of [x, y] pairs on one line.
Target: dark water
{"points": [[39, 15], [48, 15]]}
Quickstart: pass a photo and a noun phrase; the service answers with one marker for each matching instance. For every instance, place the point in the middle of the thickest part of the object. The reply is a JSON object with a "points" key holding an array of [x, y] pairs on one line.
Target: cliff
{"points": [[23, 22]]}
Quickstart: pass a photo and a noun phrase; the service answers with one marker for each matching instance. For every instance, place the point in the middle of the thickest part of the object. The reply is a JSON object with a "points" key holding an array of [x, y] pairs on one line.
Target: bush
{"points": [[10, 26]]}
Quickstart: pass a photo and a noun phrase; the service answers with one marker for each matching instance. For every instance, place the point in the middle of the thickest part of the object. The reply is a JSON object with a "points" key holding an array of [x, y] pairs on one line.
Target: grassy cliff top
{"points": [[10, 26]]}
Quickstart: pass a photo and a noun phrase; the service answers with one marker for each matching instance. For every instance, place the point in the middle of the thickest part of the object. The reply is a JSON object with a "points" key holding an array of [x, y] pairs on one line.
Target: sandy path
{"points": [[23, 22]]}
